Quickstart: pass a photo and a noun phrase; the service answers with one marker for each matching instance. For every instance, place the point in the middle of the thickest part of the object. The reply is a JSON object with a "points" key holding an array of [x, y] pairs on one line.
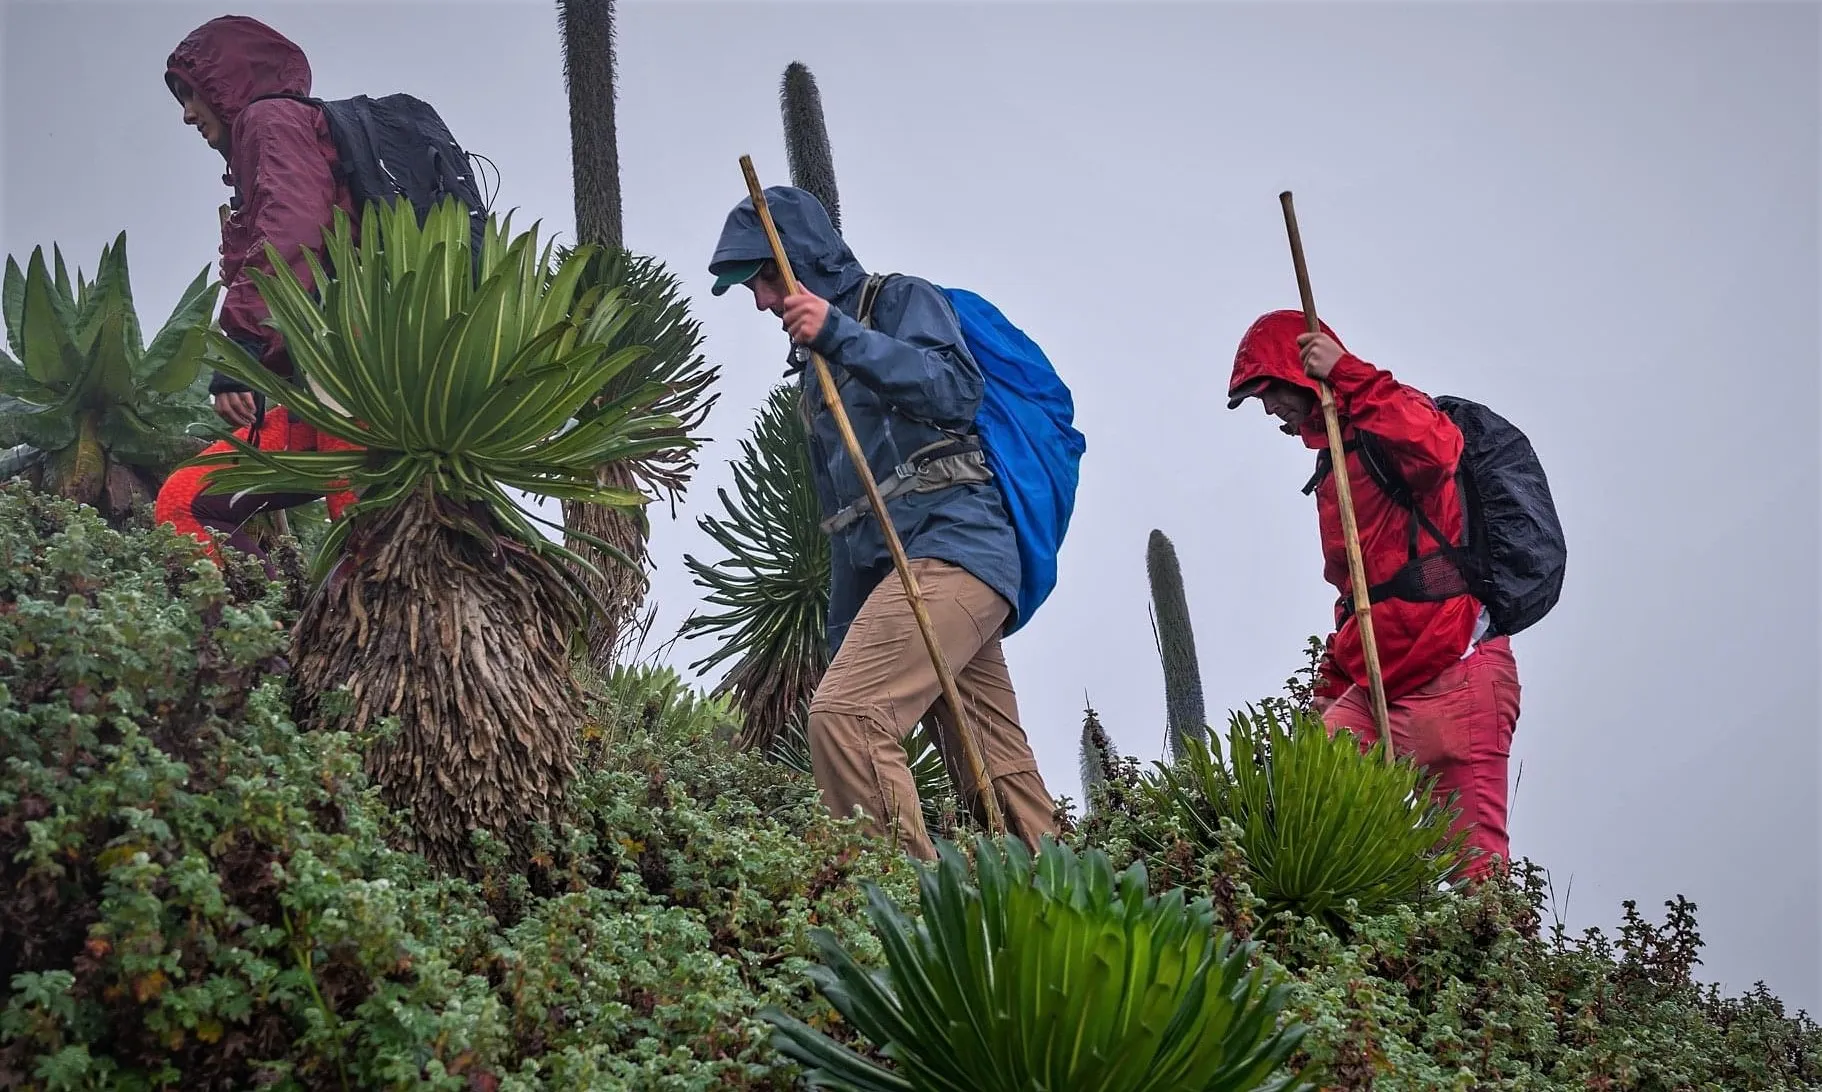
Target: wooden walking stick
{"points": [[1350, 531], [971, 750]]}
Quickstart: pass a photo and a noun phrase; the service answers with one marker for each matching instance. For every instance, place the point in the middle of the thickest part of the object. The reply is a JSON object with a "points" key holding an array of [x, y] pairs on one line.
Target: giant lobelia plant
{"points": [[1048, 973], [1322, 823], [441, 604], [88, 410]]}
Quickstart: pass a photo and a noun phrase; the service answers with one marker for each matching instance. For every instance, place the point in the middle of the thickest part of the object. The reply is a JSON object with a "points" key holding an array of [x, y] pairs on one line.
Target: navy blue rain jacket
{"points": [[912, 371]]}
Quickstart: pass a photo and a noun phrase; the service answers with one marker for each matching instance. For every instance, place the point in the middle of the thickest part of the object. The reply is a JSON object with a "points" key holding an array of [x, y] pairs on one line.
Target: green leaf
{"points": [[174, 358], [12, 305], [767, 592], [47, 352], [45, 430], [16, 382], [110, 359]]}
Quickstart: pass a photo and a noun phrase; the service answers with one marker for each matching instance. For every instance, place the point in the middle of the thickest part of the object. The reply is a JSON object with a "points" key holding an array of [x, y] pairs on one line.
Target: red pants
{"points": [[1458, 726], [183, 504]]}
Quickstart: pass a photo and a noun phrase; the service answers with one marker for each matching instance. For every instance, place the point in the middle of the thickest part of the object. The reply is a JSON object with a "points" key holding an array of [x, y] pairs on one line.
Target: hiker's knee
{"points": [[176, 502], [842, 724]]}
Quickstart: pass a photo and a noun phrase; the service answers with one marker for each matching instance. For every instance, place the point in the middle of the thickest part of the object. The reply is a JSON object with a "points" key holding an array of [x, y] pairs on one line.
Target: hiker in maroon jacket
{"points": [[281, 162], [1451, 693]]}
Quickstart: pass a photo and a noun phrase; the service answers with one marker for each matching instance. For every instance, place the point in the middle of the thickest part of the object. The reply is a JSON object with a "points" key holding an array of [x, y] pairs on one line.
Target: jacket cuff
{"points": [[220, 383], [832, 333], [1350, 374]]}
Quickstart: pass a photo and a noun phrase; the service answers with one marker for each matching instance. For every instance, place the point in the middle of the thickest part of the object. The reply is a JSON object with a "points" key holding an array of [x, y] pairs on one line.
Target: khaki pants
{"points": [[882, 683]]}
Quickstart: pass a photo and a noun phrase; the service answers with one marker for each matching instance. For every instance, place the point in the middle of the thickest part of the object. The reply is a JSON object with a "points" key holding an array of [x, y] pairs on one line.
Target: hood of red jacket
{"points": [[1268, 350], [232, 59]]}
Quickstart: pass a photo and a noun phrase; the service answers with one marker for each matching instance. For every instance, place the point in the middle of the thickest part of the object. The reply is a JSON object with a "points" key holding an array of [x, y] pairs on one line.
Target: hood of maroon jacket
{"points": [[282, 164], [234, 59]]}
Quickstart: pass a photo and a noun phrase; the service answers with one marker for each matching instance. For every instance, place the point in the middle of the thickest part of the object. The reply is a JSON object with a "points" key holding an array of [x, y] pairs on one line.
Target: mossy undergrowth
{"points": [[196, 894]]}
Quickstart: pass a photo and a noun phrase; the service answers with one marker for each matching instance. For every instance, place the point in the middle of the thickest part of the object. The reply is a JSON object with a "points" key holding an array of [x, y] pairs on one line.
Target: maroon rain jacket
{"points": [[282, 164]]}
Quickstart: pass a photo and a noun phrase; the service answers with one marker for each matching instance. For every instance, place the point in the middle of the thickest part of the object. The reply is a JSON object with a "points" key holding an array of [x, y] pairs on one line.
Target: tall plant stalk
{"points": [[1183, 703]]}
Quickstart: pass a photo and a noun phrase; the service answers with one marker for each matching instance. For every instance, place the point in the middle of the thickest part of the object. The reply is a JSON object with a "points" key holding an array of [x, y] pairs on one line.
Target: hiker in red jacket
{"points": [[1452, 697], [281, 163]]}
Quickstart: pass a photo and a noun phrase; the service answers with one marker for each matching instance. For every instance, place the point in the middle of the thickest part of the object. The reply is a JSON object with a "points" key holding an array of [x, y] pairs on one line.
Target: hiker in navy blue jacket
{"points": [[911, 391]]}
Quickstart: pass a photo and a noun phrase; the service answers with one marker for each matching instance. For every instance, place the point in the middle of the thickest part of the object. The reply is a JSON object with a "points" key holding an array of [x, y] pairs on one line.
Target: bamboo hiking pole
{"points": [[1350, 531], [971, 750]]}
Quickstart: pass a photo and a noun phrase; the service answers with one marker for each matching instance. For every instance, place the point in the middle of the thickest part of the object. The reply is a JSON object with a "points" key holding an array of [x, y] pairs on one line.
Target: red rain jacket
{"points": [[1416, 640], [282, 164]]}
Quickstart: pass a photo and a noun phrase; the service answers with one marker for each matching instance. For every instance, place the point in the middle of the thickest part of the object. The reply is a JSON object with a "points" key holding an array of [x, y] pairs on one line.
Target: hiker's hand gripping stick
{"points": [[832, 397], [1350, 531]]}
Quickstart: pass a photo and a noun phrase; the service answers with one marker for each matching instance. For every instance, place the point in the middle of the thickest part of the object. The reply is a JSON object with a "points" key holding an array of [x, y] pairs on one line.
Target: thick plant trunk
{"points": [[587, 27], [623, 589], [124, 488], [769, 694], [1183, 704], [79, 471], [467, 644]]}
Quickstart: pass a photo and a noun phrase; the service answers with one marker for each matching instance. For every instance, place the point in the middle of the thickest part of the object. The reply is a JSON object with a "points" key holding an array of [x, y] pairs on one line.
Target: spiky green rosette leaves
{"points": [[1048, 974], [768, 598], [1322, 823], [468, 380]]}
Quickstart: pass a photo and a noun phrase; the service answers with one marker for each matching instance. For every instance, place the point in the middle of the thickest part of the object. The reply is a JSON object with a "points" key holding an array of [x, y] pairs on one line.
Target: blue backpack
{"points": [[1026, 427]]}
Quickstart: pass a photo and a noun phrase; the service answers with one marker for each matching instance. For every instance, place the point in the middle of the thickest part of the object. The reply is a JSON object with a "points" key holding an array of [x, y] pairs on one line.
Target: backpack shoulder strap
{"points": [[1378, 467], [292, 95], [1385, 475], [869, 295]]}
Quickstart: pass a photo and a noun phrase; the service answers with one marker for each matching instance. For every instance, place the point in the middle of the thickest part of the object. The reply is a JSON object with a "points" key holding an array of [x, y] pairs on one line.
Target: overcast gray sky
{"points": [[1600, 219]]}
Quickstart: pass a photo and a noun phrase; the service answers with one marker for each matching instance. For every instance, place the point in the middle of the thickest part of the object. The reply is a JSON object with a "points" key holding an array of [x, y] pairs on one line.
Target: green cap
{"points": [[736, 273]]}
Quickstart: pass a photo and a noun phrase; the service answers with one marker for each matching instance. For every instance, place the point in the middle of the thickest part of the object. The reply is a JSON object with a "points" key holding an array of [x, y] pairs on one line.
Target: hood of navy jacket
{"points": [[819, 256]]}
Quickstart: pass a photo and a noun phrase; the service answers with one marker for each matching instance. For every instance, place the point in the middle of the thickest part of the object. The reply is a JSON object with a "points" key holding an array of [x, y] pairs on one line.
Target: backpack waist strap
{"points": [[942, 465]]}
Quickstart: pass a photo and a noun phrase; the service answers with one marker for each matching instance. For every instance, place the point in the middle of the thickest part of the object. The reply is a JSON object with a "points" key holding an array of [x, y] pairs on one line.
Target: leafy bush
{"points": [[195, 893], [1049, 974], [1321, 825]]}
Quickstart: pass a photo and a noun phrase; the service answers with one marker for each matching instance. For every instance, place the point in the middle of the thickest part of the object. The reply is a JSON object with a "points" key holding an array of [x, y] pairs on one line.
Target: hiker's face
{"points": [[198, 116], [768, 289], [1289, 404]]}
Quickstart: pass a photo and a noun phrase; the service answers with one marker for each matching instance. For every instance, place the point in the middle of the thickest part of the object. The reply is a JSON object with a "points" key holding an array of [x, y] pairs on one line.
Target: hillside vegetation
{"points": [[197, 894]]}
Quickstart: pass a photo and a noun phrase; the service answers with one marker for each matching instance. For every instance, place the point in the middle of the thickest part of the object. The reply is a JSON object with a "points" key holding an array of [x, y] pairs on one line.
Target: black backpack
{"points": [[398, 145], [1513, 552]]}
